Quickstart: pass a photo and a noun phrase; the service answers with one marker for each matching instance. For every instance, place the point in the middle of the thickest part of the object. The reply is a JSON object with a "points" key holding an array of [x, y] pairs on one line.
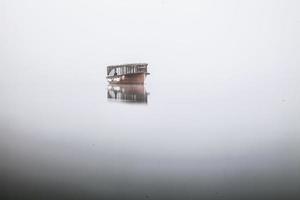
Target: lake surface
{"points": [[76, 137]]}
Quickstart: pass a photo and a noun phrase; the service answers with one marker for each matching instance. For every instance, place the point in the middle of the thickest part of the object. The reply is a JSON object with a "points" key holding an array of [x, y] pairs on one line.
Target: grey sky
{"points": [[200, 37]]}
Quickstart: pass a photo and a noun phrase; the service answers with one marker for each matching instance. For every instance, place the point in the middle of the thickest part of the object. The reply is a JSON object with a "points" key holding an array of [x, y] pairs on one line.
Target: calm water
{"points": [[219, 117], [77, 137]]}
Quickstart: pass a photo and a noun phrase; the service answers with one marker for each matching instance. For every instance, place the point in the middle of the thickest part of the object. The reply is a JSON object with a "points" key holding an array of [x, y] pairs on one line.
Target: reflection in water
{"points": [[127, 93]]}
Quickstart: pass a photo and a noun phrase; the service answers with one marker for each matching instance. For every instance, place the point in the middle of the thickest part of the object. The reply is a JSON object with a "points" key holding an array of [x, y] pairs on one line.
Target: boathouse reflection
{"points": [[127, 93]]}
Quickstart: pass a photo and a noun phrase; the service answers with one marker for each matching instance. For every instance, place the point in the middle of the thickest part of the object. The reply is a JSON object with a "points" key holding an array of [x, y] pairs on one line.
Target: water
{"points": [[68, 139], [127, 93], [218, 117]]}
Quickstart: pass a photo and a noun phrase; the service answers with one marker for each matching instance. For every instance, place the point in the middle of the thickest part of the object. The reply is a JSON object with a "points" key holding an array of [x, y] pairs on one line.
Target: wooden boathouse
{"points": [[127, 73]]}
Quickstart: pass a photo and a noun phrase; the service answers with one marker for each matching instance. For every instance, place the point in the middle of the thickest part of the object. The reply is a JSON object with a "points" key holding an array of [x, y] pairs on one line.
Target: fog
{"points": [[219, 118]]}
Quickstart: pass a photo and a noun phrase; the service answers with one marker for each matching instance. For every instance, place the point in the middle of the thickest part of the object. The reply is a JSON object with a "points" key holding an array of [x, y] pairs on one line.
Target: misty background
{"points": [[222, 119]]}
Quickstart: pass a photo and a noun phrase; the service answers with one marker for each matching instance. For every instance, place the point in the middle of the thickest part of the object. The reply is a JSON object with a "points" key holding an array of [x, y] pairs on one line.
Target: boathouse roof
{"points": [[127, 65]]}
